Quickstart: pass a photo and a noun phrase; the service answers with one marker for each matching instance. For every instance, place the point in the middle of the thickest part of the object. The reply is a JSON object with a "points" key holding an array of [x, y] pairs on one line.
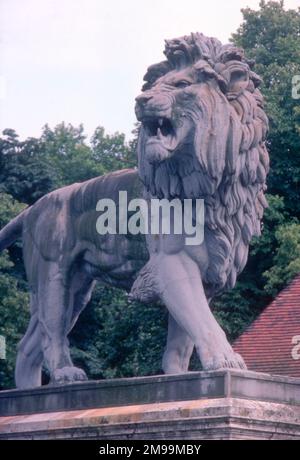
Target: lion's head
{"points": [[202, 135]]}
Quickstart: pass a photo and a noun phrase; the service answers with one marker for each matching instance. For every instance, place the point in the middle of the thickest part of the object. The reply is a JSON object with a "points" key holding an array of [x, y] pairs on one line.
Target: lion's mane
{"points": [[230, 161]]}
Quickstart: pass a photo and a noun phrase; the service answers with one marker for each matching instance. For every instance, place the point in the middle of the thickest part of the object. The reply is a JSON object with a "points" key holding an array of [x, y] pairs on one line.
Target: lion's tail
{"points": [[12, 231]]}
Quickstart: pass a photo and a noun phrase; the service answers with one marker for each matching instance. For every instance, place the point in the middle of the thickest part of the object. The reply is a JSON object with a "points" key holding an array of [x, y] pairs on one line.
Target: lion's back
{"points": [[56, 222]]}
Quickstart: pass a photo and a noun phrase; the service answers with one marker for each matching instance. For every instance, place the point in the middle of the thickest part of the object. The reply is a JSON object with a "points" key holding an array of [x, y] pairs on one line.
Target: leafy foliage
{"points": [[24, 171], [14, 301], [287, 258], [271, 36], [115, 338]]}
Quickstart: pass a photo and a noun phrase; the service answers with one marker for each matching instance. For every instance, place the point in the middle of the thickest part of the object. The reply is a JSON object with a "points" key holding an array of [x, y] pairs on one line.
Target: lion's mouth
{"points": [[161, 138], [159, 128]]}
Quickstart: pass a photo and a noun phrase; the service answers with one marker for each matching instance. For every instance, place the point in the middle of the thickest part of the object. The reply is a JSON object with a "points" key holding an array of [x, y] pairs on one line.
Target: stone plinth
{"points": [[199, 405]]}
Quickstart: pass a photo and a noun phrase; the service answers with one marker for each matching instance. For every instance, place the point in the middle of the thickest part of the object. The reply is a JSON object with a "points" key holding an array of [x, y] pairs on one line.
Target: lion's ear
{"points": [[204, 71], [236, 77], [230, 52]]}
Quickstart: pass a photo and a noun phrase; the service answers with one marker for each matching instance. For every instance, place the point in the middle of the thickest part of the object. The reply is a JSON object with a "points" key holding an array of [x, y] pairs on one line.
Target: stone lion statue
{"points": [[202, 135]]}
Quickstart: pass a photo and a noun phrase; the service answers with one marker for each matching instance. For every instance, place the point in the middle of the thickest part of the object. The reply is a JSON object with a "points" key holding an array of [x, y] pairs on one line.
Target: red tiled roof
{"points": [[266, 345]]}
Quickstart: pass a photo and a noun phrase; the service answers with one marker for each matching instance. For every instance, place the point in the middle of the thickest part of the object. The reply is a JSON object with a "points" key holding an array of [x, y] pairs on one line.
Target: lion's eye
{"points": [[182, 84]]}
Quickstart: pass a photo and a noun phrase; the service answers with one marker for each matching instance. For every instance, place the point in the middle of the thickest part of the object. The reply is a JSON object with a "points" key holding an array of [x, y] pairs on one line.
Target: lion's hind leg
{"points": [[55, 297]]}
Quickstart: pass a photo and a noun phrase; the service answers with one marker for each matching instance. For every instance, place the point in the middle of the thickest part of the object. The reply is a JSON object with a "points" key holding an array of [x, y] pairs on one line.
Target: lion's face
{"points": [[185, 122], [167, 111]]}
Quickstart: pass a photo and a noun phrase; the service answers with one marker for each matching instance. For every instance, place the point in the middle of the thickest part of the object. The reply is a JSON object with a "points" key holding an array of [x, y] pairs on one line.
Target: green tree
{"points": [[67, 153], [116, 338], [271, 36], [287, 258], [14, 300], [24, 172], [111, 151]]}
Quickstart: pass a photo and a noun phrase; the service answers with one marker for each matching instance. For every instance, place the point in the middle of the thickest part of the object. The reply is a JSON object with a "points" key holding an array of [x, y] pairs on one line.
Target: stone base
{"points": [[225, 418], [222, 405]]}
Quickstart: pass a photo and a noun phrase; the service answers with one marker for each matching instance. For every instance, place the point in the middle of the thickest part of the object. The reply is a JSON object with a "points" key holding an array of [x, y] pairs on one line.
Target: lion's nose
{"points": [[143, 98]]}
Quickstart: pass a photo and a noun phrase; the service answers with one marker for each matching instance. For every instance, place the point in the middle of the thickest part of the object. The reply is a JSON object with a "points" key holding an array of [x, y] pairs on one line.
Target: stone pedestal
{"points": [[199, 405]]}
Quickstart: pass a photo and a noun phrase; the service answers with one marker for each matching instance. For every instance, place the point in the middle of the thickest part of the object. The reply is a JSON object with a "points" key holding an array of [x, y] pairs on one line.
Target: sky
{"points": [[83, 61]]}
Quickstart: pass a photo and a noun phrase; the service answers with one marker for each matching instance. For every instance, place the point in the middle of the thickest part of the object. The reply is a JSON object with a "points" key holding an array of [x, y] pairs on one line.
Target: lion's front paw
{"points": [[68, 375], [225, 361]]}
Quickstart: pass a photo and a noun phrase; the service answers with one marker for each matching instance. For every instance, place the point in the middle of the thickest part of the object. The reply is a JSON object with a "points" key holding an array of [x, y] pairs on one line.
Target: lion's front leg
{"points": [[181, 290]]}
